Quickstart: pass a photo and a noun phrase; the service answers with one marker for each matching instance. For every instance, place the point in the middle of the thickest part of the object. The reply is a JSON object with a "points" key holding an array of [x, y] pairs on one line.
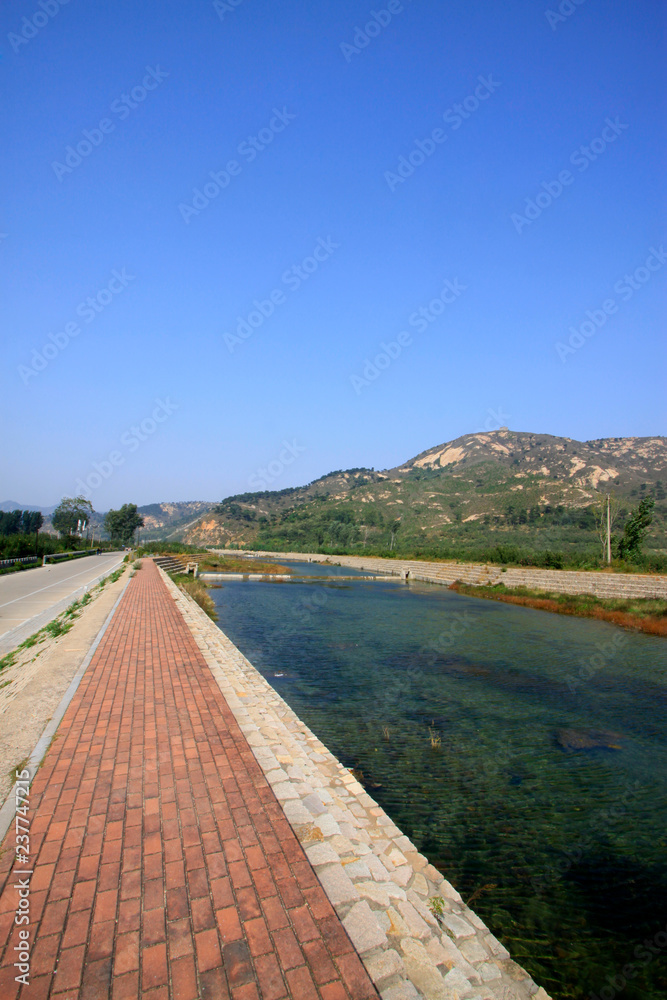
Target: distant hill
{"points": [[9, 505], [161, 520], [534, 490]]}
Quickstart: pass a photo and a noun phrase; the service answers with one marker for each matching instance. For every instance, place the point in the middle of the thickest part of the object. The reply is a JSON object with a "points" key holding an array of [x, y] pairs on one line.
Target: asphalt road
{"points": [[36, 593]]}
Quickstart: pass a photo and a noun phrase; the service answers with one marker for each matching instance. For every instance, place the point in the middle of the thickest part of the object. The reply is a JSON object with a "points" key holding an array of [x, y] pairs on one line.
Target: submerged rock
{"points": [[587, 739]]}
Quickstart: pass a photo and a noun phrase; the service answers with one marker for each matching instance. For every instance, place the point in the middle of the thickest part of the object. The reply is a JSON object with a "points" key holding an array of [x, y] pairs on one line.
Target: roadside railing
{"points": [[60, 556], [20, 559]]}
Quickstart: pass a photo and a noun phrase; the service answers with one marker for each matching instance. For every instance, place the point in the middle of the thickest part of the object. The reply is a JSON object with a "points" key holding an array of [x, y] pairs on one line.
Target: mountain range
{"points": [[503, 486], [533, 489]]}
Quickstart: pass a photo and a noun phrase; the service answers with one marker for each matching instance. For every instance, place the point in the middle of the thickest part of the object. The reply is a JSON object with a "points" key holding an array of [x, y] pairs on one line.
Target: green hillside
{"points": [[527, 493]]}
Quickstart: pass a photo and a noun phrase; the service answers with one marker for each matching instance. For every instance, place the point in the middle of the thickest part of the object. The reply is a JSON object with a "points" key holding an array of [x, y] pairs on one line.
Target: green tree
{"points": [[394, 531], [636, 528], [31, 522], [122, 524], [69, 512], [10, 522]]}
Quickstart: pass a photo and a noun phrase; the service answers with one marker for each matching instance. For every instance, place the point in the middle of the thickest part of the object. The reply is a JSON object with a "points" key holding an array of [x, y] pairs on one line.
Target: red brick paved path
{"points": [[163, 864]]}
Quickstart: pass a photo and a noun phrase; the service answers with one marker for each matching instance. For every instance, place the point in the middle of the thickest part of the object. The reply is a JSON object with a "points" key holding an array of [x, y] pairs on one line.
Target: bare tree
{"points": [[607, 509]]}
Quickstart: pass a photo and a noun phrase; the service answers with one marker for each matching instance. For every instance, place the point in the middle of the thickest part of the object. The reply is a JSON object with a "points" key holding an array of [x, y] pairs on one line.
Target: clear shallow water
{"points": [[546, 798]]}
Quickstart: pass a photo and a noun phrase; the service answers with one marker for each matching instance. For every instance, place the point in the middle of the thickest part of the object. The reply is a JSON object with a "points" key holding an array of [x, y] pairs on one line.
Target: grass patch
{"points": [[643, 613], [57, 627], [237, 564], [8, 661], [198, 591], [116, 575], [11, 773]]}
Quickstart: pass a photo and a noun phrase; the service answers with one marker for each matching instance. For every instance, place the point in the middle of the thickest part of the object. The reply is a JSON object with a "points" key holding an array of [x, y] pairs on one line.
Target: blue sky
{"points": [[153, 392]]}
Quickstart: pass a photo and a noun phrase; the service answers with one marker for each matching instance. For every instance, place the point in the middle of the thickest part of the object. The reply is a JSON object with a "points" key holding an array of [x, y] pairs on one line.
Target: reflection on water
{"points": [[542, 798]]}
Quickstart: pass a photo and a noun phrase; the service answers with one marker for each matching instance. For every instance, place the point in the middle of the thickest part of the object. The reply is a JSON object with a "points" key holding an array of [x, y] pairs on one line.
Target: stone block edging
{"points": [[563, 581], [376, 880]]}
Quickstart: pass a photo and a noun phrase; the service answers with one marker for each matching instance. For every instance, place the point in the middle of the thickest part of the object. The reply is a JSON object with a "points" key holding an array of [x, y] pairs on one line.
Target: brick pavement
{"points": [[163, 864]]}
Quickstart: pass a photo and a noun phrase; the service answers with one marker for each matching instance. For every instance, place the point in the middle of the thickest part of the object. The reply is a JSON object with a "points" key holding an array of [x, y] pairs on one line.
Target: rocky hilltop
{"points": [[495, 486]]}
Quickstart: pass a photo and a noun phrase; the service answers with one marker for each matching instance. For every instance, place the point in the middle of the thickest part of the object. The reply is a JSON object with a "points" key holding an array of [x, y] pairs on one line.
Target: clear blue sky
{"points": [[331, 120]]}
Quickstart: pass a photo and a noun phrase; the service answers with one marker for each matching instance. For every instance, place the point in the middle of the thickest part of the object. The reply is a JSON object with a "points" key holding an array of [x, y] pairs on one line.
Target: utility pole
{"points": [[608, 529]]}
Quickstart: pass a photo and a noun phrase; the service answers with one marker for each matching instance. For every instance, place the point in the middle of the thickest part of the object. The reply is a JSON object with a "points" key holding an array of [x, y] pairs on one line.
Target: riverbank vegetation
{"points": [[240, 564], [498, 554], [212, 562], [645, 614], [170, 548], [198, 591], [543, 535]]}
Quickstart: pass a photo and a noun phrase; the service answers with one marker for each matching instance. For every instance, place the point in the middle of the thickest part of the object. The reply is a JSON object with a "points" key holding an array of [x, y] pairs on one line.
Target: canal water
{"points": [[525, 753]]}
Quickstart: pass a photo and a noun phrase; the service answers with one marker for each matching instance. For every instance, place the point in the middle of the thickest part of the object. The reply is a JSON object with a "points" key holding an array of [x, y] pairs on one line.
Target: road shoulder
{"points": [[31, 688]]}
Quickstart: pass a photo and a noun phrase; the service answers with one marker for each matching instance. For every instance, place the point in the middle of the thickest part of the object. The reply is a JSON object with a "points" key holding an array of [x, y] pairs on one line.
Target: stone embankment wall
{"points": [[376, 879], [621, 585]]}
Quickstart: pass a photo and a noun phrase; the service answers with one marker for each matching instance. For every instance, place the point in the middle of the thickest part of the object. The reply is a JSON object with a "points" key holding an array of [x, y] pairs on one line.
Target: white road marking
{"points": [[58, 584]]}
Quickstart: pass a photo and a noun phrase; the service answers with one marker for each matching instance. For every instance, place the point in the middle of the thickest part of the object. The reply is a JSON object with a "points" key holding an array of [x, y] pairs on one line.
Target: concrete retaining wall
{"points": [[614, 585]]}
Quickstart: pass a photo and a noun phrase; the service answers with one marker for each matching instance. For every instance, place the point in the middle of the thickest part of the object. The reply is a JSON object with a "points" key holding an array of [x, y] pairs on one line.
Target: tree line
{"points": [[20, 522], [73, 519], [73, 514]]}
